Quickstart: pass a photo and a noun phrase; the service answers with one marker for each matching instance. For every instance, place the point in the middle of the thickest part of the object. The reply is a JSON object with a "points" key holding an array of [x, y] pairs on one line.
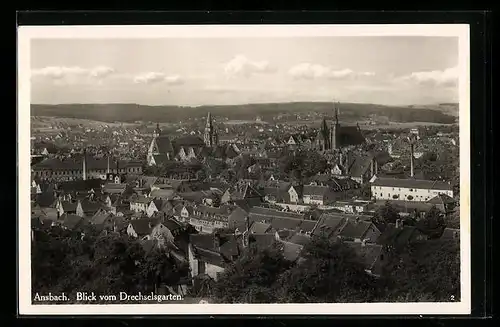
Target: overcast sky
{"points": [[383, 70]]}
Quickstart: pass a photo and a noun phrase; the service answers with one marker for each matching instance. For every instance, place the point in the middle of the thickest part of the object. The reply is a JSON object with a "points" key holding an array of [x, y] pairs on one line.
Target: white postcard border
{"points": [[27, 33]]}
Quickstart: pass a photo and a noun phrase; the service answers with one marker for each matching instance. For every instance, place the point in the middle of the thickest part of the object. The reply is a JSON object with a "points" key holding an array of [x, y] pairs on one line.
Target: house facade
{"points": [[408, 189]]}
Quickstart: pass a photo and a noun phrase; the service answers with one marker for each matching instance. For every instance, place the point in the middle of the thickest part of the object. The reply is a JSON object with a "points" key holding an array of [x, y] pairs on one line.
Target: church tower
{"points": [[210, 136], [157, 131], [325, 136], [335, 129]]}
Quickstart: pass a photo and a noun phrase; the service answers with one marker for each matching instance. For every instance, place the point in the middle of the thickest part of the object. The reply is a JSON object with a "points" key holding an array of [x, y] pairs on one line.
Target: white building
{"points": [[408, 189]]}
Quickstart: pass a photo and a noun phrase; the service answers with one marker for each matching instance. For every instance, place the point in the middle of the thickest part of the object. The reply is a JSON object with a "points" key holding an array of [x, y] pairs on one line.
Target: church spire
{"points": [[210, 136], [157, 130], [336, 108]]}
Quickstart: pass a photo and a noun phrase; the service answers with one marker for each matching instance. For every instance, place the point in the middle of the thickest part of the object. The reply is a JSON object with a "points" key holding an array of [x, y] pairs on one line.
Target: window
{"points": [[201, 267]]}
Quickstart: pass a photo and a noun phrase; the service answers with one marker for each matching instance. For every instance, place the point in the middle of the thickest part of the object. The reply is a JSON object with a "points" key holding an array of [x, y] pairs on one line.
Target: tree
{"points": [[330, 271], [427, 271], [433, 223], [250, 278], [65, 261], [386, 214]]}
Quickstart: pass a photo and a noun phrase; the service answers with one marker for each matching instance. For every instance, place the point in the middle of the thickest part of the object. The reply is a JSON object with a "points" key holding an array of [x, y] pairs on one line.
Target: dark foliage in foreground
{"points": [[326, 271], [64, 261], [332, 272]]}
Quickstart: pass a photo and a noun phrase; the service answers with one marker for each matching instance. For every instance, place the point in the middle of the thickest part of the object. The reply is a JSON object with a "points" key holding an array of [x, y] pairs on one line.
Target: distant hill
{"points": [[446, 108], [127, 112]]}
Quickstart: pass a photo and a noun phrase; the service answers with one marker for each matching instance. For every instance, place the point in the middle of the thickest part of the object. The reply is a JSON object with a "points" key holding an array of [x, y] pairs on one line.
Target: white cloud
{"points": [[447, 77], [62, 75], [101, 71], [315, 71], [57, 72], [155, 77], [242, 66]]}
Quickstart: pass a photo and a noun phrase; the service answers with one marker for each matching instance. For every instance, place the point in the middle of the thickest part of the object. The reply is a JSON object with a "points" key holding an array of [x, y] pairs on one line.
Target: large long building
{"points": [[83, 168], [408, 189]]}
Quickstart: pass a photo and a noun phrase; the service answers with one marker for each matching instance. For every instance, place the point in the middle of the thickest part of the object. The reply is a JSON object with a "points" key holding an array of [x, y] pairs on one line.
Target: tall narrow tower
{"points": [[411, 140], [107, 168], [335, 128], [157, 130], [325, 136], [84, 165], [210, 136]]}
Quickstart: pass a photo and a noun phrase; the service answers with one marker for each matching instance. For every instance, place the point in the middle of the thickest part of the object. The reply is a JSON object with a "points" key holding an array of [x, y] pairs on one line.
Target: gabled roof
{"points": [[315, 190], [100, 218], [262, 240], [69, 206], [396, 236], [171, 224], [355, 229], [81, 185], [360, 166], [71, 221], [349, 135], [442, 199], [140, 199], [144, 226], [230, 245], [164, 144], [278, 223], [90, 207], [113, 188], [259, 228], [329, 225], [160, 159]]}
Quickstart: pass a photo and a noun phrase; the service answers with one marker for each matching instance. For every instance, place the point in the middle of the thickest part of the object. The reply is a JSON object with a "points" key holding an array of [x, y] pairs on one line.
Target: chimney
{"points": [[398, 223], [376, 167], [84, 165], [217, 241], [411, 160], [107, 169]]}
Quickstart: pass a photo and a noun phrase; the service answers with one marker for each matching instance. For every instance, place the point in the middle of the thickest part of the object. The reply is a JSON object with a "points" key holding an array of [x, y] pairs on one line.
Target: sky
{"points": [[195, 71]]}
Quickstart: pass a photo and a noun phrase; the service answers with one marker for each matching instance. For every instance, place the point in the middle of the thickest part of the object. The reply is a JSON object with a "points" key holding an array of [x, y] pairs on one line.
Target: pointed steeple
{"points": [[157, 130], [336, 108], [210, 136], [209, 121]]}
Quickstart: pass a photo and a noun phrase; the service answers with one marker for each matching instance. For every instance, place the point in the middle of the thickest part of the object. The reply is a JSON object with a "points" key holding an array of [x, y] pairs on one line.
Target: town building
{"points": [[337, 136], [408, 189], [210, 137], [165, 148]]}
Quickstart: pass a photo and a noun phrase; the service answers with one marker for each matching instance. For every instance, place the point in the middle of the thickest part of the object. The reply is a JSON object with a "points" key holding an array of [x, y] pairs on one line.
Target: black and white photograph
{"points": [[288, 169]]}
